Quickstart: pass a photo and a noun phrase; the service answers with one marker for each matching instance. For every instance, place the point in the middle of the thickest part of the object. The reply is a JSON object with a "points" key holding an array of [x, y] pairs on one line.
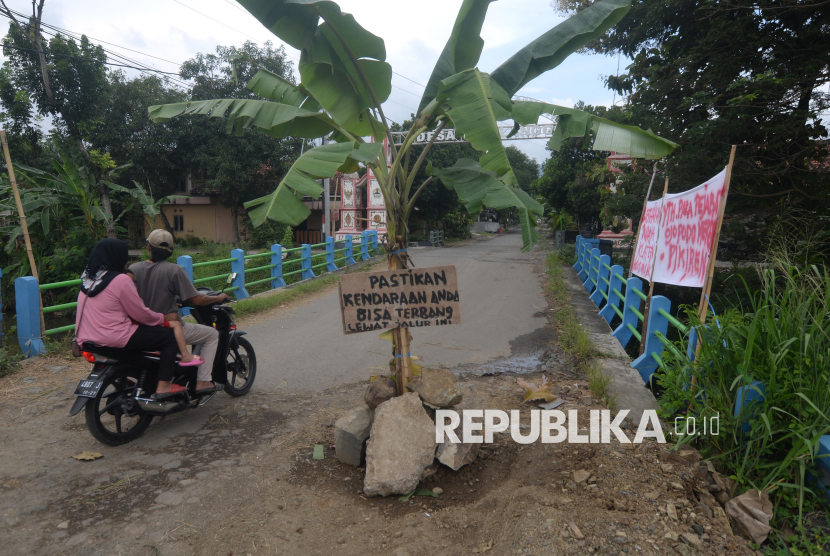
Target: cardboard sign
{"points": [[647, 240], [415, 297], [690, 220]]}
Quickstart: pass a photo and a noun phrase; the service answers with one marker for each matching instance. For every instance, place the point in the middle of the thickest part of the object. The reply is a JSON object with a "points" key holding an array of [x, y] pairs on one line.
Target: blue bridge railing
{"points": [[27, 289]]}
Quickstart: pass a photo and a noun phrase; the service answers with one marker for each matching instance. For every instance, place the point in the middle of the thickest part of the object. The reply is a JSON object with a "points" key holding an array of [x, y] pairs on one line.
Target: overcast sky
{"points": [[174, 31]]}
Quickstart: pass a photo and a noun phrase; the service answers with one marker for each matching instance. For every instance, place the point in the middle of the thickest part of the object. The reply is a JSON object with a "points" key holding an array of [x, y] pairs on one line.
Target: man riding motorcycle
{"points": [[159, 283]]}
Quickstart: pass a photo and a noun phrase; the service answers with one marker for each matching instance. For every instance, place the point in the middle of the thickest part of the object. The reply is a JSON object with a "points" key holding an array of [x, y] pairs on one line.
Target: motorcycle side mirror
{"points": [[232, 278]]}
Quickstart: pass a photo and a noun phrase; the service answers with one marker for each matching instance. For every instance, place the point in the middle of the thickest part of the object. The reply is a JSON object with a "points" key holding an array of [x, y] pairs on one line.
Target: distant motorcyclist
{"points": [[159, 282]]}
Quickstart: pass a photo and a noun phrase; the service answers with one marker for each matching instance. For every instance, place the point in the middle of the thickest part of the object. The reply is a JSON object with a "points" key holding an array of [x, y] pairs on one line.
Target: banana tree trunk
{"points": [[397, 259]]}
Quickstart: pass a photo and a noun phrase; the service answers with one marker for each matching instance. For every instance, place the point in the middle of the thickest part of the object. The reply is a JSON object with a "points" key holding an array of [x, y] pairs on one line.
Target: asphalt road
{"points": [[501, 307]]}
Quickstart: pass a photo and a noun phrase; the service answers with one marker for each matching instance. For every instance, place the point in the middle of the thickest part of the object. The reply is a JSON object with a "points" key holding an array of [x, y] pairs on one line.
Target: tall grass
{"points": [[778, 346]]}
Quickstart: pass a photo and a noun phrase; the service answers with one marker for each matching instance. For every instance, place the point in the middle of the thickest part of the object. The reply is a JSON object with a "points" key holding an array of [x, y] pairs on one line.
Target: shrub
{"points": [[781, 342]]}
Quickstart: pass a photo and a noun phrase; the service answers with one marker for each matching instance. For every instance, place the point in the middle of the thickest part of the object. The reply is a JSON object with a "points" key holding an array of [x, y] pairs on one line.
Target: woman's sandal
{"points": [[203, 391], [195, 362], [174, 390]]}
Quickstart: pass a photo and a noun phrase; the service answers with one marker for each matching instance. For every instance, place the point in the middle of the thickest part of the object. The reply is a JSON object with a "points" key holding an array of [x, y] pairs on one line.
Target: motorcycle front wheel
{"points": [[241, 368], [105, 417]]}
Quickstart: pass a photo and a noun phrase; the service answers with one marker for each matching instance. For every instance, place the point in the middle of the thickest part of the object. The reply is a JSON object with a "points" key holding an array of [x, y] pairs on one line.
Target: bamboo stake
{"points": [[23, 225], [643, 213], [703, 307], [651, 276]]}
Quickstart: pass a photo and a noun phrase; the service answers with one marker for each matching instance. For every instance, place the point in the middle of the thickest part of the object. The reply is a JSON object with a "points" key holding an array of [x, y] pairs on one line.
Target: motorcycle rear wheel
{"points": [[105, 417], [241, 368]]}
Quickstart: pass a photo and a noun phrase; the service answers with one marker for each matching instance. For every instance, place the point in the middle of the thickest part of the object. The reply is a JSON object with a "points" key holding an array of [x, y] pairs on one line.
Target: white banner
{"points": [[688, 226], [647, 240]]}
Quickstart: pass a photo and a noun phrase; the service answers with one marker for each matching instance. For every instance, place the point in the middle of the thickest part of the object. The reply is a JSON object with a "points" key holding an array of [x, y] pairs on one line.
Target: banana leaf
{"points": [[477, 187], [272, 118], [606, 135], [336, 54], [285, 204], [269, 85], [462, 50], [551, 48], [476, 104]]}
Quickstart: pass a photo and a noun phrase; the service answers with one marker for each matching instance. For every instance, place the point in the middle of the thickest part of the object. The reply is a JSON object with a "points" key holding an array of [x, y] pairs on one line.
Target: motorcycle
{"points": [[117, 394]]}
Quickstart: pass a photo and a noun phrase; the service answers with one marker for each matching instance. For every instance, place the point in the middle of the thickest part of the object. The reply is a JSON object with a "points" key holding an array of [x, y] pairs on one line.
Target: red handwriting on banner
{"points": [[647, 241], [689, 223]]}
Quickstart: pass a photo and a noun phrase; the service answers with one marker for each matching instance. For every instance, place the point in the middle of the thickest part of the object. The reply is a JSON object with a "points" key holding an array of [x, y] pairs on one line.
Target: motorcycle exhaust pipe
{"points": [[159, 407]]}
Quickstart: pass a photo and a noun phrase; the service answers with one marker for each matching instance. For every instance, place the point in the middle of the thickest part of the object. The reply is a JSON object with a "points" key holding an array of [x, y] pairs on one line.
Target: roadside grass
{"points": [[260, 303], [572, 337]]}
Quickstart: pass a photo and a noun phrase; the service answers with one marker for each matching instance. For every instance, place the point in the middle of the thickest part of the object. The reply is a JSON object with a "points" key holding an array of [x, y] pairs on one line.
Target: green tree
{"points": [[65, 79], [713, 74], [525, 168], [125, 132], [248, 165]]}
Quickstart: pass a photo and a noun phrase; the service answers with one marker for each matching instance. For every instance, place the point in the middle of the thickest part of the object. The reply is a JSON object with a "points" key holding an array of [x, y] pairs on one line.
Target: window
{"points": [[178, 222]]}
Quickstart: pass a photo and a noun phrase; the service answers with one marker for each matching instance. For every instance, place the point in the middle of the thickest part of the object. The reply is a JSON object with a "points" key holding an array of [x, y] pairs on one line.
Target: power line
{"points": [[144, 68], [219, 22], [86, 59], [98, 40]]}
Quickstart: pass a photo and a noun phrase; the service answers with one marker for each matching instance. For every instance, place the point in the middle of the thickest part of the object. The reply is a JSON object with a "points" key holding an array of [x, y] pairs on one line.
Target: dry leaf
{"points": [[88, 456], [486, 547], [534, 393]]}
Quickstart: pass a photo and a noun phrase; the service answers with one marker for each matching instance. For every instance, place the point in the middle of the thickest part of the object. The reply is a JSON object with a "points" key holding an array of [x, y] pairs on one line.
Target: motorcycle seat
{"points": [[115, 352]]}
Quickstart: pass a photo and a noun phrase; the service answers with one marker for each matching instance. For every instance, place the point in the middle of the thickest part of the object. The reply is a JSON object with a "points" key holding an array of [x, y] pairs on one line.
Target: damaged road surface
{"points": [[240, 477]]}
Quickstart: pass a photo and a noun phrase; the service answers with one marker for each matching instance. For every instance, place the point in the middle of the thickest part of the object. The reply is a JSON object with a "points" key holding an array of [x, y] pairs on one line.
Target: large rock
{"points": [[350, 434], [437, 387], [401, 447], [380, 390], [457, 455]]}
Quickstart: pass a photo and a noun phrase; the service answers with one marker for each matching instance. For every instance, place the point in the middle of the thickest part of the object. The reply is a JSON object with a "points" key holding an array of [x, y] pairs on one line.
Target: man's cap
{"points": [[161, 239]]}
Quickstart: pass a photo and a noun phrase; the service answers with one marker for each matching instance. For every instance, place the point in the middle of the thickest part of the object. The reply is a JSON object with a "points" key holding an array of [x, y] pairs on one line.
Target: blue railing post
{"points": [[364, 244], [593, 270], [330, 266], [349, 252], [306, 262], [587, 245], [186, 262], [632, 300], [27, 296], [614, 299], [602, 287], [578, 251], [238, 266], [646, 364], [277, 280], [745, 398], [374, 239]]}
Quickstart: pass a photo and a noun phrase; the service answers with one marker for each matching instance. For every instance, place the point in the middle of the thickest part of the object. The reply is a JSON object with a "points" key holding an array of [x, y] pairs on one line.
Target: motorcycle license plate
{"points": [[88, 388]]}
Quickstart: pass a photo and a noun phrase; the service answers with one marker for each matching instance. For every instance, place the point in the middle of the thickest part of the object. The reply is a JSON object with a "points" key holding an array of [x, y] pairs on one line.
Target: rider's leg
{"points": [[163, 340], [176, 327], [208, 338]]}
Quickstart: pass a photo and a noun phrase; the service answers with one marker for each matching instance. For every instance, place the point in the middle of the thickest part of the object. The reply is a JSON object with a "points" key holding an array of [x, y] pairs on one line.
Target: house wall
{"points": [[211, 222]]}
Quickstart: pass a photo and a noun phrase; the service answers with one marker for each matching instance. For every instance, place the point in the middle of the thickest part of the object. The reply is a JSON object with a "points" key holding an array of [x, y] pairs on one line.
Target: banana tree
{"points": [[344, 80]]}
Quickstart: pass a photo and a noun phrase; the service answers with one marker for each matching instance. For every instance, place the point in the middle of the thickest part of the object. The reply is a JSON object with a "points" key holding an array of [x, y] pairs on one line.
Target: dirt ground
{"points": [[237, 477]]}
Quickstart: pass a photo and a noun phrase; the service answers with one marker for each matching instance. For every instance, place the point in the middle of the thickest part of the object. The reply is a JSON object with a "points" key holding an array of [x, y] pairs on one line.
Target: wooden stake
{"points": [[23, 225], [651, 277], [703, 307], [643, 212]]}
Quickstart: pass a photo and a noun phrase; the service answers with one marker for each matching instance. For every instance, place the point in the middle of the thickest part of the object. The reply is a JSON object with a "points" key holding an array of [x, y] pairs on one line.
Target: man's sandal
{"points": [[215, 388]]}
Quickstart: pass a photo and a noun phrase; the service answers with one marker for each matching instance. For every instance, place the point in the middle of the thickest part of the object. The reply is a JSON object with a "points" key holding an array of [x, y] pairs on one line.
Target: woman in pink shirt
{"points": [[110, 313]]}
